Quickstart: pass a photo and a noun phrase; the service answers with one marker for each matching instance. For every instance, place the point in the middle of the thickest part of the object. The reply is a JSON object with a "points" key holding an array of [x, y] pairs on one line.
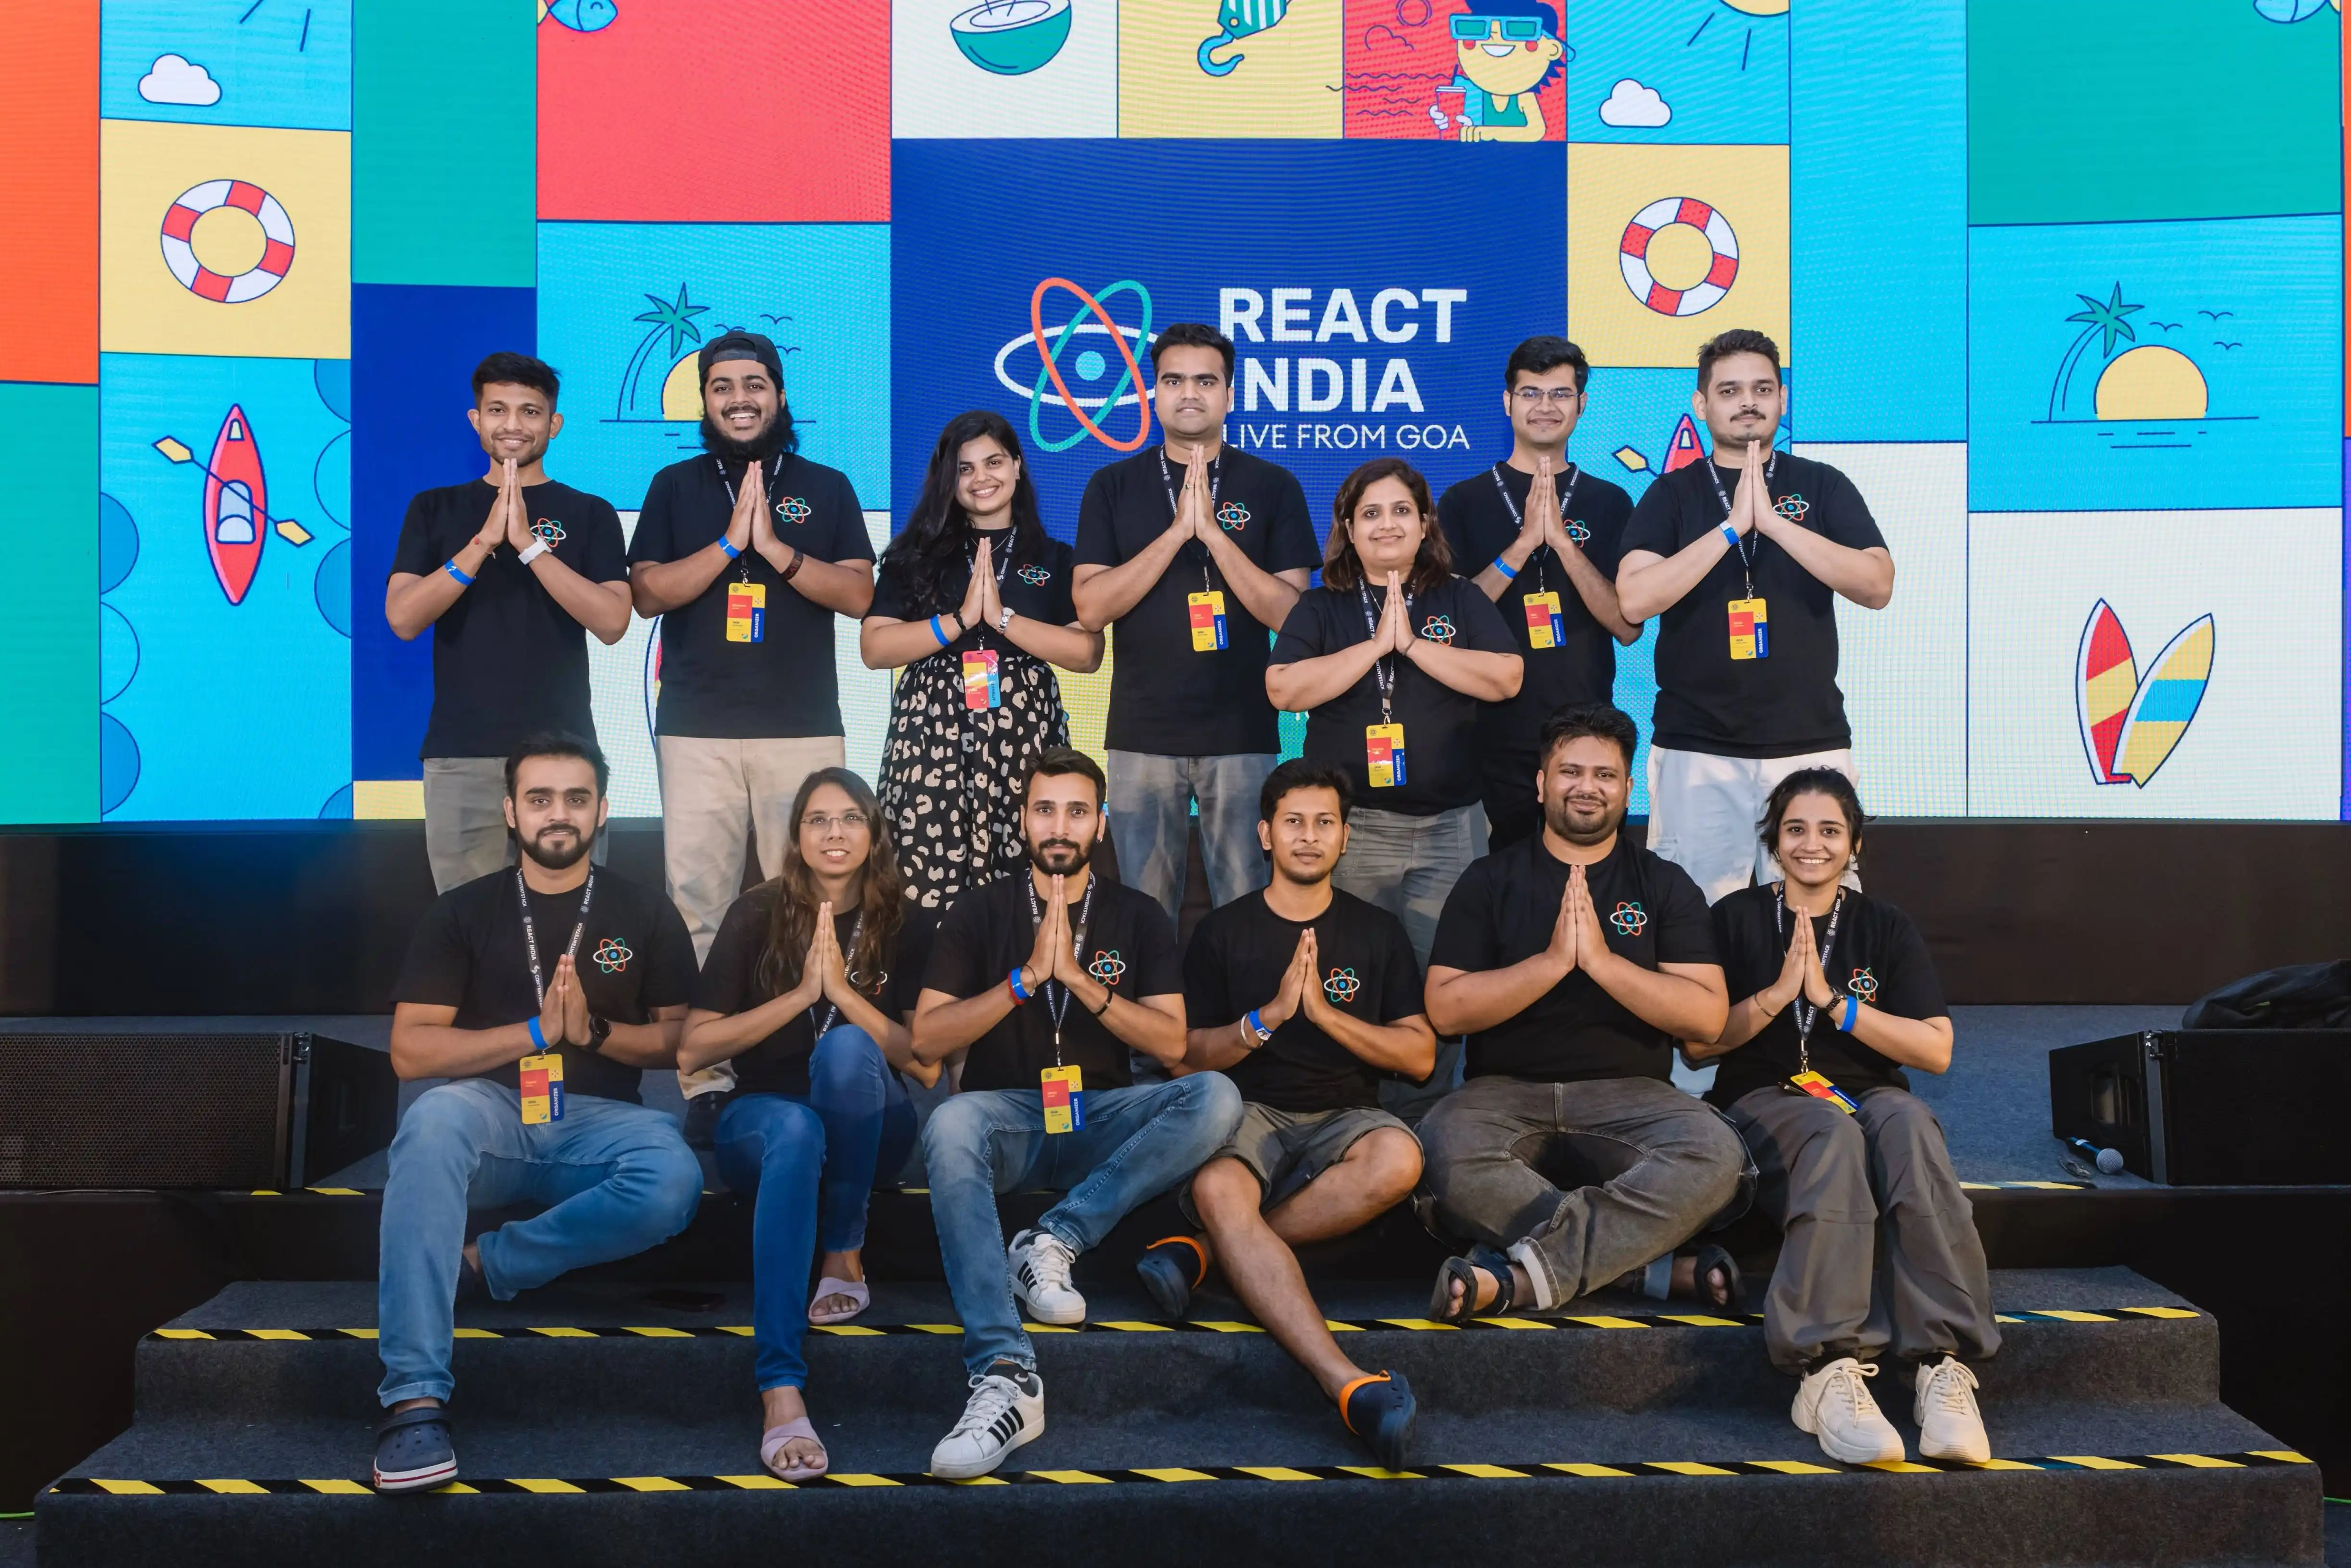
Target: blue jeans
{"points": [[811, 1162], [1136, 1143], [618, 1176], [1151, 813]]}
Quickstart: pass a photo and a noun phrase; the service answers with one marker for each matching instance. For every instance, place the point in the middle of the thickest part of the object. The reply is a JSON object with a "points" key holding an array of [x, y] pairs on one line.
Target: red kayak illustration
{"points": [[237, 505], [1682, 450]]}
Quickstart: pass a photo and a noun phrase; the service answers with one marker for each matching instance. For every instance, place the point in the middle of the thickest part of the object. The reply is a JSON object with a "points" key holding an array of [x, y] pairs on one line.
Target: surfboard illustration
{"points": [[2130, 726], [237, 505], [1682, 450], [2105, 679]]}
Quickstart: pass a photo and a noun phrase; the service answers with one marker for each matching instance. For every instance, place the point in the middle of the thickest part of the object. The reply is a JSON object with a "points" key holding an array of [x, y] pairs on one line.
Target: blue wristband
{"points": [[1731, 534], [537, 1036], [1852, 1011], [1257, 1026], [940, 631], [450, 567], [1504, 568], [728, 545], [1012, 980]]}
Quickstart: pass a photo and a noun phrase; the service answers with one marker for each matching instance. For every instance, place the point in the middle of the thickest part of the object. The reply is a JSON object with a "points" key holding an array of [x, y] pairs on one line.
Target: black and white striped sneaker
{"points": [[1006, 1409], [1038, 1262]]}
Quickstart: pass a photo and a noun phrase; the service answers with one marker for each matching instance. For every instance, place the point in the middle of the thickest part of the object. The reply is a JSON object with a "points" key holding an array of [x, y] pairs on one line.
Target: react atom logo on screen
{"points": [[1091, 366], [2130, 726]]}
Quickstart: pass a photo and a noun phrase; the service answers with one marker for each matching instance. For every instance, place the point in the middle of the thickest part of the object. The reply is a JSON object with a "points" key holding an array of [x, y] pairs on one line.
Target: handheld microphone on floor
{"points": [[2110, 1161]]}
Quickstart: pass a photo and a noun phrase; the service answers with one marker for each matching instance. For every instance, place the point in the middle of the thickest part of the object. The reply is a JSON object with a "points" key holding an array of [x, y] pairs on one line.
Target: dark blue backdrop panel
{"points": [[1373, 290], [413, 349]]}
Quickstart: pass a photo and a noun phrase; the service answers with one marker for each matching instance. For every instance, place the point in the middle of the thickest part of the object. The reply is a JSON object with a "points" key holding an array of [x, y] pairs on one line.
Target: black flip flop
{"points": [[1708, 1258], [413, 1450], [1443, 1309]]}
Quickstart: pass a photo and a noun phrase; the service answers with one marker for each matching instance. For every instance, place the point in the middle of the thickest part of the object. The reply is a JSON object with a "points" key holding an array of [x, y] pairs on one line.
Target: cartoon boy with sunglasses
{"points": [[1505, 51]]}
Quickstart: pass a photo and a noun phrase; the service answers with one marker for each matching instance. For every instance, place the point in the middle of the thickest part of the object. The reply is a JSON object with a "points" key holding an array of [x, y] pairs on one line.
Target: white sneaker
{"points": [[1039, 1263], [1835, 1405], [1949, 1425], [1002, 1413]]}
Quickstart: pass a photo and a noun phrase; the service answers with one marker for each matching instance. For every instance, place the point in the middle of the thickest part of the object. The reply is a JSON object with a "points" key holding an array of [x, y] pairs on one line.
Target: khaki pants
{"points": [[465, 834], [713, 792]]}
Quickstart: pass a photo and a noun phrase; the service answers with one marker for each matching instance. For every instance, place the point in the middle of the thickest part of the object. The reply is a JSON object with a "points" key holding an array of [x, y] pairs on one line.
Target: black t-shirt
{"points": [[782, 685], [1128, 944], [1235, 962], [1033, 581], [1441, 769], [1166, 698], [730, 984], [1580, 666], [1786, 702], [508, 660], [1878, 956], [633, 956], [1502, 912]]}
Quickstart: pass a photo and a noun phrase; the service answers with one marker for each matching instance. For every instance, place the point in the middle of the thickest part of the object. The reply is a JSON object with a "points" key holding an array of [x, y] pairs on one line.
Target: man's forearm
{"points": [[1480, 999], [445, 1051], [660, 587], [592, 604], [1108, 592], [1682, 1007]]}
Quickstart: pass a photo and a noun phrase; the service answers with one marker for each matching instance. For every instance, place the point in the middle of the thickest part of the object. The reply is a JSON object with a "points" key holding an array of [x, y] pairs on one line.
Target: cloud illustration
{"points": [[172, 79], [1630, 104]]}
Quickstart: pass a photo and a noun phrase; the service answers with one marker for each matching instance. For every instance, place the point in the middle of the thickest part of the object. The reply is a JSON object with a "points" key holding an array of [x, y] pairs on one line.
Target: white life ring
{"points": [[1632, 255], [276, 255]]}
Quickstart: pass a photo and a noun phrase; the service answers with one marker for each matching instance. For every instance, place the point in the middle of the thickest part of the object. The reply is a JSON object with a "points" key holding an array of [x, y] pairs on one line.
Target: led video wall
{"points": [[2077, 338]]}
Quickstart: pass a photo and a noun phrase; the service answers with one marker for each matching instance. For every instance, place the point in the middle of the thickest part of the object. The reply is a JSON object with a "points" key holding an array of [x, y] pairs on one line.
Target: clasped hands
{"points": [[1394, 634], [752, 525], [1541, 524], [1800, 973], [1301, 990], [563, 1011], [1196, 508], [824, 971], [1054, 956], [982, 605], [1577, 941], [1750, 504], [510, 520]]}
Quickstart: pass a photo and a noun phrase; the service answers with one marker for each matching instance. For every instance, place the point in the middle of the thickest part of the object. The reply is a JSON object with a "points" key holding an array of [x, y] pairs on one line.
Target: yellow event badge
{"points": [[1545, 627], [1384, 753], [1207, 621], [1751, 630], [542, 1089], [747, 611], [1065, 1099]]}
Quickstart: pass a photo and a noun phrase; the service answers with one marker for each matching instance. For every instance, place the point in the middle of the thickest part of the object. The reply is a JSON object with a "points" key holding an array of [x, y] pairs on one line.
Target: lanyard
{"points": [[1175, 508], [1003, 552], [1807, 1015], [1748, 546], [1517, 518], [531, 929], [743, 562], [833, 1010], [1381, 673], [1077, 950]]}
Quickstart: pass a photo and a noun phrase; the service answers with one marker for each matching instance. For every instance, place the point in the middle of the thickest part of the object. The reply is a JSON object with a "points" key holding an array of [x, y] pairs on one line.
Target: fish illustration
{"points": [[1239, 20], [580, 15]]}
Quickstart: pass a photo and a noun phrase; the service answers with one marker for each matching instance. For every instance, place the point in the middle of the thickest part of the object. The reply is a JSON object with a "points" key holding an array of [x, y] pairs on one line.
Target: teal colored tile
{"points": [[49, 640]]}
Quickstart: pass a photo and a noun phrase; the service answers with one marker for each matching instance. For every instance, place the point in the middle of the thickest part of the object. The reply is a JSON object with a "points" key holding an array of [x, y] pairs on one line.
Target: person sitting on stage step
{"points": [[1880, 1249], [542, 993], [1572, 960], [806, 991], [1048, 977], [1304, 996]]}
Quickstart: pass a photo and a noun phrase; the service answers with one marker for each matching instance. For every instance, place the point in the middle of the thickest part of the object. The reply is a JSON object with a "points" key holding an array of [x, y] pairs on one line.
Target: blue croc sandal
{"points": [[1379, 1409], [413, 1451]]}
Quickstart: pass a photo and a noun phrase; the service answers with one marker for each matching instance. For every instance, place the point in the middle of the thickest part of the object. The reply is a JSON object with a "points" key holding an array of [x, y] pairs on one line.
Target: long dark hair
{"points": [[1813, 781], [1344, 569], [938, 532], [880, 897]]}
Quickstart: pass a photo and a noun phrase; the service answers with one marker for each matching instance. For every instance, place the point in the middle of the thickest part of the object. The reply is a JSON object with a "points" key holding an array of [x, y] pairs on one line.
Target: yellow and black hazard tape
{"points": [[1633, 1471], [1138, 1325]]}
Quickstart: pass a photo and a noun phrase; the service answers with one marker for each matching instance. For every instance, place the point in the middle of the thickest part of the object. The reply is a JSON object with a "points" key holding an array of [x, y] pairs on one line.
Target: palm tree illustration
{"points": [[673, 321], [2104, 320]]}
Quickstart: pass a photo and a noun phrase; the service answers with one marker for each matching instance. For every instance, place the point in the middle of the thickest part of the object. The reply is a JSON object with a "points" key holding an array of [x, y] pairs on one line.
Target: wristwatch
{"points": [[599, 1031], [1004, 622], [532, 552]]}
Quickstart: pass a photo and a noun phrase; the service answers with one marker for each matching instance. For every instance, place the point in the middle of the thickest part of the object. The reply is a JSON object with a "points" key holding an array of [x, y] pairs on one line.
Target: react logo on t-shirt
{"points": [[1438, 629], [1341, 985], [611, 954], [1107, 968], [1628, 918], [550, 530], [1579, 530], [1035, 576], [1792, 508], [1233, 516], [1862, 984], [792, 509]]}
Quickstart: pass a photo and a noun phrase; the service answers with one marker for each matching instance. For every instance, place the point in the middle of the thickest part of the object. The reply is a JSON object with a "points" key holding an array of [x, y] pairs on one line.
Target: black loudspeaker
{"points": [[238, 1111], [2248, 1107]]}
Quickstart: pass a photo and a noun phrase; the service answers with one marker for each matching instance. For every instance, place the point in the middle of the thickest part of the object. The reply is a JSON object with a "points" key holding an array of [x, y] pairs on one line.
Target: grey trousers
{"points": [[1407, 865], [1879, 1246], [1658, 1163]]}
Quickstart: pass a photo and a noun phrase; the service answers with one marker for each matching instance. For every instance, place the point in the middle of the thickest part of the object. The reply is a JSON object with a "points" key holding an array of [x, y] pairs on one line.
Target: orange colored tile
{"points": [[48, 188]]}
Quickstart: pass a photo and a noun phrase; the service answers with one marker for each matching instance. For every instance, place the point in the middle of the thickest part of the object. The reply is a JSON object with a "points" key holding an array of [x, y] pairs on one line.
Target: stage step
{"points": [[1629, 1437]]}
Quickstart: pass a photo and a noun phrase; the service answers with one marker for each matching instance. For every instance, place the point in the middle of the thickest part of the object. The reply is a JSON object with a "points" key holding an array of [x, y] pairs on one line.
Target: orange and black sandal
{"points": [[1379, 1408], [1172, 1267]]}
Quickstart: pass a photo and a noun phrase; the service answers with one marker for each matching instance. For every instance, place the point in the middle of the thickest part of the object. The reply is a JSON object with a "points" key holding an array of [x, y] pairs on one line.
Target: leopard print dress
{"points": [[951, 774]]}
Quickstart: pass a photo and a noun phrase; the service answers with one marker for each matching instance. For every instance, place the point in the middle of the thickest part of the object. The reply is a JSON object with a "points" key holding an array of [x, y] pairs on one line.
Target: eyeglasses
{"points": [[1516, 29], [848, 822], [1530, 396]]}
